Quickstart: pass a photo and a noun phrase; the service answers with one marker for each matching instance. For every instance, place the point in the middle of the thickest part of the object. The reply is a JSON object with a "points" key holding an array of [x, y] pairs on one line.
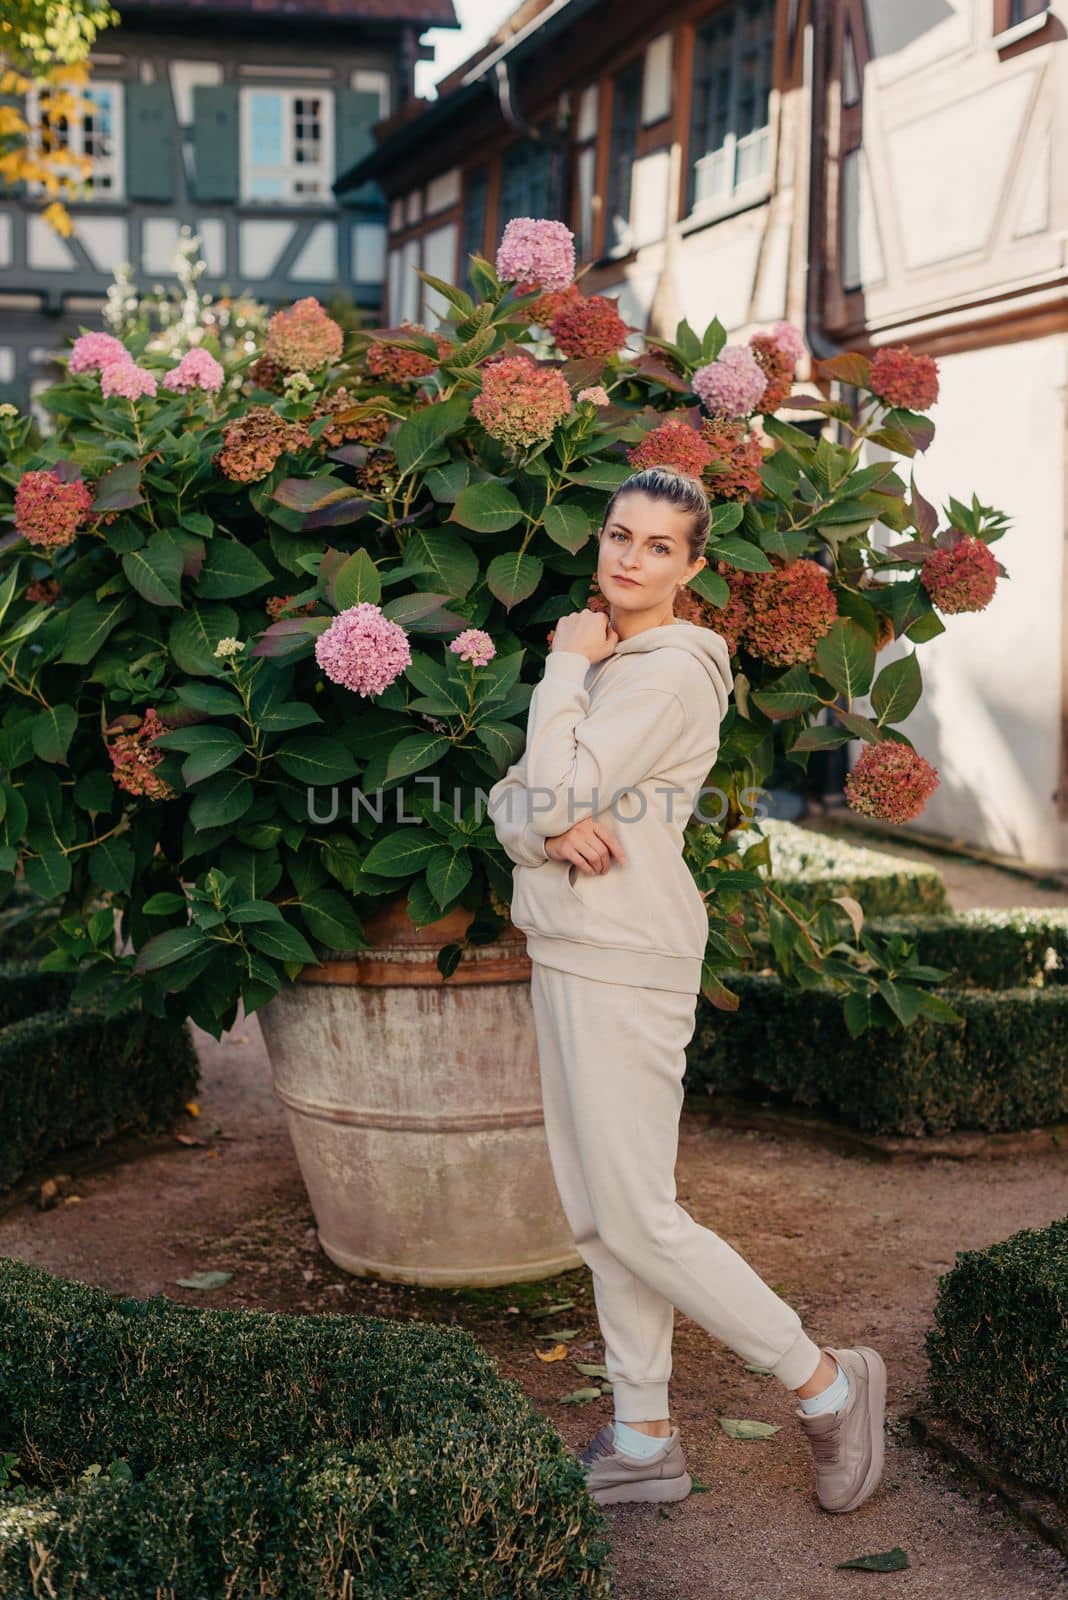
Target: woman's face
{"points": [[645, 540]]}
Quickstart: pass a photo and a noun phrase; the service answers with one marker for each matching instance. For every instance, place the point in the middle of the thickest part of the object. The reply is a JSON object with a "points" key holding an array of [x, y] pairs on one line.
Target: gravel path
{"points": [[855, 1244]]}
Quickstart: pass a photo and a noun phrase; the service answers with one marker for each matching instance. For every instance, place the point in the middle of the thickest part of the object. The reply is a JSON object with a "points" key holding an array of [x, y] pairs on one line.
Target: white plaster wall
{"points": [[989, 717]]}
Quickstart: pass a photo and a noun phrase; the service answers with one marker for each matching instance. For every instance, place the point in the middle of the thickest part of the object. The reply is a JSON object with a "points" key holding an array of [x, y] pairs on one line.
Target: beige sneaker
{"points": [[612, 1476], [848, 1446]]}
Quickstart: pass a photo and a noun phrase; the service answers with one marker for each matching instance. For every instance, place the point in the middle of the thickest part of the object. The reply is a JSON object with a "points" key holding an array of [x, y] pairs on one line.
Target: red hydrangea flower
{"points": [[779, 616], [134, 759], [734, 470], [590, 327], [899, 378], [962, 578], [674, 444], [777, 364], [551, 303], [48, 511], [393, 363], [303, 337], [253, 443], [890, 781]]}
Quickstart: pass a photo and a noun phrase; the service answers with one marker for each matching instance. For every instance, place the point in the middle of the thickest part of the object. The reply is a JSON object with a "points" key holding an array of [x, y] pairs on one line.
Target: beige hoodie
{"points": [[640, 728]]}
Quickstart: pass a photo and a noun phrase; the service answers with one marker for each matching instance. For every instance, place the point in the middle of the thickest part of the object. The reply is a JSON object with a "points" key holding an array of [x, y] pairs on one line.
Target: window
{"points": [[530, 180], [729, 135], [287, 144], [1022, 10], [622, 149], [473, 223], [95, 132]]}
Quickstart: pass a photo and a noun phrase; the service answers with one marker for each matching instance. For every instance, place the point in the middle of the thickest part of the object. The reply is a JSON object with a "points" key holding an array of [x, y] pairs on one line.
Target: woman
{"points": [[622, 732]]}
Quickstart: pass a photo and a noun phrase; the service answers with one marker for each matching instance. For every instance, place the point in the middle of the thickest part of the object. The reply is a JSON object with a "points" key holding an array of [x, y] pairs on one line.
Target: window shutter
{"points": [[216, 140], [356, 112], [149, 138]]}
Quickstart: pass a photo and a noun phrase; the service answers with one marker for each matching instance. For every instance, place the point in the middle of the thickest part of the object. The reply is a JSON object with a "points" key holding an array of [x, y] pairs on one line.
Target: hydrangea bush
{"points": [[267, 642]]}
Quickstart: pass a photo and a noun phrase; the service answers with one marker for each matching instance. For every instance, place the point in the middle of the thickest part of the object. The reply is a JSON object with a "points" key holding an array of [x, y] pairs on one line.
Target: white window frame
{"points": [[290, 171], [114, 164]]}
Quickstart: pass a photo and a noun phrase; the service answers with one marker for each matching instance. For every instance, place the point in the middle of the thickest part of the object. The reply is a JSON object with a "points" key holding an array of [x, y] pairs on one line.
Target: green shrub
{"points": [[251, 1447], [1002, 1069], [999, 1350], [813, 867], [984, 948], [74, 1077]]}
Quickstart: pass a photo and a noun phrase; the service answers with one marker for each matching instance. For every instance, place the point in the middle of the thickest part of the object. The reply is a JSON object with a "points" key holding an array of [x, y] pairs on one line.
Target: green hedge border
{"points": [[998, 1351], [1003, 1070], [256, 1442]]}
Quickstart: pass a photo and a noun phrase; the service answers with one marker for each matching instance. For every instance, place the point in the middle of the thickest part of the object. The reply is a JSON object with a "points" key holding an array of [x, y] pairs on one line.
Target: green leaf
{"points": [[747, 1428], [785, 696], [155, 571], [420, 440], [49, 873], [164, 948], [902, 999], [222, 800], [897, 689], [512, 576], [741, 553], [355, 581], [846, 658], [601, 475], [88, 623], [332, 919], [415, 752], [119, 489], [194, 635], [230, 569], [211, 749], [282, 941], [503, 740], [111, 865], [255, 911], [894, 1560], [711, 586], [726, 517], [311, 494], [164, 904], [316, 759], [400, 854], [567, 526], [52, 731], [448, 871], [449, 558], [486, 508], [210, 698]]}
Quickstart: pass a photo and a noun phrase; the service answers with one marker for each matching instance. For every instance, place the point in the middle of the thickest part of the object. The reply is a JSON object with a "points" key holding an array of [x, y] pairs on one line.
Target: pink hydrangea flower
{"points": [[302, 337], [474, 645], [962, 578], [521, 403], [597, 396], [363, 649], [92, 351], [537, 253], [48, 511], [789, 340], [198, 369], [732, 384], [890, 781], [127, 380]]}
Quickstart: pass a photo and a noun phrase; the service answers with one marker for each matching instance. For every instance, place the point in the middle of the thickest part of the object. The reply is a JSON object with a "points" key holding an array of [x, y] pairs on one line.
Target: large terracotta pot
{"points": [[414, 1105]]}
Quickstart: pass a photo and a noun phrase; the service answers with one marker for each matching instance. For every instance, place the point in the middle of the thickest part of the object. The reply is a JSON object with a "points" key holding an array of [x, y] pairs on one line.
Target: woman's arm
{"points": [[576, 762], [507, 804]]}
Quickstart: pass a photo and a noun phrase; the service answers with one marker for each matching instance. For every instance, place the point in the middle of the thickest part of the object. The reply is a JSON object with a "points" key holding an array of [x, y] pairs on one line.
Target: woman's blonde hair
{"points": [[678, 489]]}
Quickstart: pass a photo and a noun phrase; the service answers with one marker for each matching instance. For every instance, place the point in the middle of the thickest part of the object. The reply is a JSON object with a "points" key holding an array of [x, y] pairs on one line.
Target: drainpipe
{"points": [[816, 37], [557, 142]]}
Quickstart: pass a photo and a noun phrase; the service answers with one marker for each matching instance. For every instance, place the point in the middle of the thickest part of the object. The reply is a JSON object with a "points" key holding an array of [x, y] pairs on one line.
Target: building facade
{"points": [[234, 116], [876, 171]]}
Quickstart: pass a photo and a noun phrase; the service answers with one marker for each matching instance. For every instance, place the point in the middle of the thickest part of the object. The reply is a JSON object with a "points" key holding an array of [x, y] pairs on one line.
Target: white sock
{"points": [[834, 1397], [635, 1443]]}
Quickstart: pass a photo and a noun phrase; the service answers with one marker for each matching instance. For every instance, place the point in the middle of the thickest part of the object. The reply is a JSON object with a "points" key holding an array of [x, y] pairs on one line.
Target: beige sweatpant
{"points": [[612, 1058]]}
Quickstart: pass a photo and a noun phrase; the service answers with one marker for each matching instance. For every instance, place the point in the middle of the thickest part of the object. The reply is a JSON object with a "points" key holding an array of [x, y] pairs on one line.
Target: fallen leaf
{"points": [[764, 1371], [558, 1333], [591, 1369], [187, 1138], [747, 1428], [551, 1311], [579, 1397], [557, 1353], [192, 1107], [894, 1560], [205, 1280]]}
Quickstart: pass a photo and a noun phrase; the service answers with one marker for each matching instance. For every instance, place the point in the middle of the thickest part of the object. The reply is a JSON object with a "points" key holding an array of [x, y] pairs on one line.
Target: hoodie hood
{"points": [[706, 646]]}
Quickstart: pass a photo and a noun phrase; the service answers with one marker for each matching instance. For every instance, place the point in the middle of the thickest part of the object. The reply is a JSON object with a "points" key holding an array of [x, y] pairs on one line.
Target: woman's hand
{"points": [[589, 845], [588, 633]]}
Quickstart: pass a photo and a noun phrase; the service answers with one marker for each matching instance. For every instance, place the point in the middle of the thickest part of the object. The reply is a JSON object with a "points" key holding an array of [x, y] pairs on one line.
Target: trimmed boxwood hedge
{"points": [[998, 1351], [300, 1456], [1003, 1069], [71, 1076]]}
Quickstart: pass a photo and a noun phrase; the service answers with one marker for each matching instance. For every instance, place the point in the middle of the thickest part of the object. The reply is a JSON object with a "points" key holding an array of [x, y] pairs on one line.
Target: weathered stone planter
{"points": [[414, 1105]]}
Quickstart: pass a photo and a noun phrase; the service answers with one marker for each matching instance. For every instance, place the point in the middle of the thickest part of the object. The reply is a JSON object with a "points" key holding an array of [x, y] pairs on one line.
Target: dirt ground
{"points": [[855, 1244]]}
